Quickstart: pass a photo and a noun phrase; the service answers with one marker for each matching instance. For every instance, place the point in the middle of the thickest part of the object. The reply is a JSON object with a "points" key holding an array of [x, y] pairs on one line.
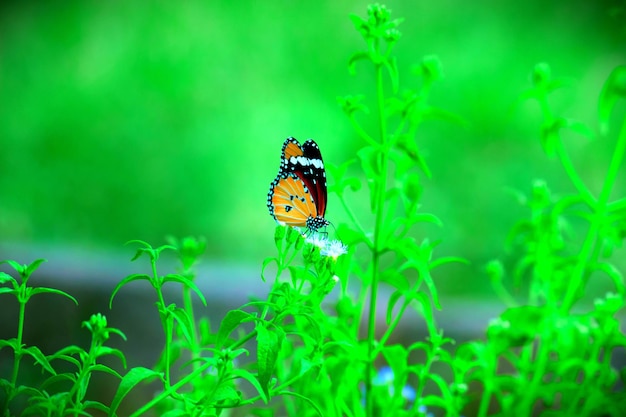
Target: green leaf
{"points": [[416, 218], [59, 378], [4, 278], [397, 357], [244, 374], [185, 323], [19, 268], [425, 307], [550, 135], [128, 382], [412, 189], [7, 290], [95, 405], [12, 343], [361, 25], [612, 272], [68, 358], [393, 299], [434, 401], [394, 278], [187, 283], [268, 345], [66, 351], [105, 350], [517, 326], [39, 357], [103, 368], [613, 90], [447, 260], [302, 397], [354, 58], [178, 412], [266, 263], [127, 280], [226, 394], [232, 320], [44, 290], [33, 267]]}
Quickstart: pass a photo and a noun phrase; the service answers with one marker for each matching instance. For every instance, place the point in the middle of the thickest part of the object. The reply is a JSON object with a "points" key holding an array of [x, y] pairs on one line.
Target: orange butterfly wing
{"points": [[291, 201]]}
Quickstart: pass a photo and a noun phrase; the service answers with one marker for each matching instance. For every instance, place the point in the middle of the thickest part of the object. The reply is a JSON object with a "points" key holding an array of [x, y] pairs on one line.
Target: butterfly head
{"points": [[313, 224]]}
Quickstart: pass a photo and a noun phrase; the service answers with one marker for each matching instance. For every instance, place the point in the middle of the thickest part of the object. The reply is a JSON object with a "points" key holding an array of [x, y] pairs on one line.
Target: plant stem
{"points": [[169, 390], [17, 357], [573, 175], [600, 211], [380, 189], [165, 322]]}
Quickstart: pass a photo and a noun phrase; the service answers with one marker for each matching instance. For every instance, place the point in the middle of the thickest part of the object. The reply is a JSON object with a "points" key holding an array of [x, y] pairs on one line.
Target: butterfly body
{"points": [[297, 196]]}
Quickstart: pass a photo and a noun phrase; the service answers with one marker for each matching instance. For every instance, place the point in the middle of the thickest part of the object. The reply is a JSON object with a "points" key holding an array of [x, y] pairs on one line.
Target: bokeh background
{"points": [[128, 120], [133, 120]]}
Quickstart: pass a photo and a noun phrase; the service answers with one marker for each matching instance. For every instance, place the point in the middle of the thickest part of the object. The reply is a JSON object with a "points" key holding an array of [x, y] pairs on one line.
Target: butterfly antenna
{"points": [[334, 228]]}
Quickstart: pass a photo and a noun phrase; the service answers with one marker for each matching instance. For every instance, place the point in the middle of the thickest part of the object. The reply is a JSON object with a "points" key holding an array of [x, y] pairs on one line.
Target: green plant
{"points": [[312, 349], [394, 169], [561, 356], [48, 399]]}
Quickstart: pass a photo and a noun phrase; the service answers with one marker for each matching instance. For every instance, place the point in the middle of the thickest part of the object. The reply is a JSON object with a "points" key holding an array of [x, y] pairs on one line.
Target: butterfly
{"points": [[297, 197]]}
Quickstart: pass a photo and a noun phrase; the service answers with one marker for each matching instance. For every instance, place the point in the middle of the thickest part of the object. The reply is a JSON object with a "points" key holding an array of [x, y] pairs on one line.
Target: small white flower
{"points": [[317, 240], [334, 249]]}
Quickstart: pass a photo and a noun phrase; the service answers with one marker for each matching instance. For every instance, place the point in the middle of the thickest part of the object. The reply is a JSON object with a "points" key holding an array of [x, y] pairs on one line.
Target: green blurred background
{"points": [[135, 120]]}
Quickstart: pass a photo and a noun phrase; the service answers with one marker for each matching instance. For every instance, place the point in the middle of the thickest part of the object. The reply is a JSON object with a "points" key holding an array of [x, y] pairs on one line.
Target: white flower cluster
{"points": [[331, 248]]}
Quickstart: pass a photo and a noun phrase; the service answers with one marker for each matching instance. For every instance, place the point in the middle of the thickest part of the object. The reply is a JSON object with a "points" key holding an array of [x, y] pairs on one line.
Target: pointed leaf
{"points": [[393, 299], [268, 345], [244, 374], [102, 368], [39, 357], [187, 283], [59, 378], [33, 266], [128, 382], [105, 350], [70, 359], [19, 268], [95, 405], [425, 306], [302, 397], [360, 24], [266, 263], [183, 320], [612, 272], [232, 320], [4, 277], [44, 290], [354, 58], [7, 290], [11, 343], [446, 260], [127, 280], [614, 89]]}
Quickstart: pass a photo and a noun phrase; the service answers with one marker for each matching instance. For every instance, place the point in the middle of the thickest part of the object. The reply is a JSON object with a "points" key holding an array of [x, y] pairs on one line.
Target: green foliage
{"points": [[560, 347], [58, 394], [300, 352]]}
